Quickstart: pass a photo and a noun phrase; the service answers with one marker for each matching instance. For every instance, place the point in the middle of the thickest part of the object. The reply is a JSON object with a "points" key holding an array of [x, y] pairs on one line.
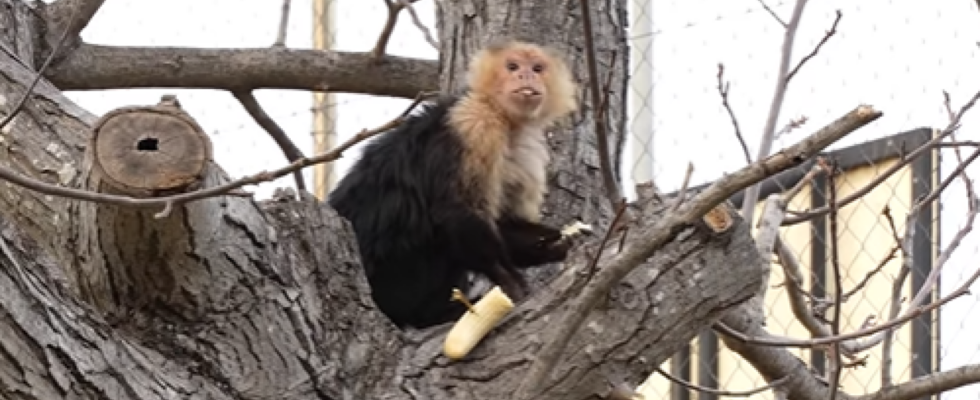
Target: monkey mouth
{"points": [[527, 91]]}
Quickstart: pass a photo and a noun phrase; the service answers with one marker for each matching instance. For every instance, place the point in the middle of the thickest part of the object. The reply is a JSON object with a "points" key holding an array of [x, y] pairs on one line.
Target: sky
{"points": [[898, 56]]}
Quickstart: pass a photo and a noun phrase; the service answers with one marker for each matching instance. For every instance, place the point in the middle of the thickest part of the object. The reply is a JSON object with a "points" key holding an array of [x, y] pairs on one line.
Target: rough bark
{"points": [[228, 298]]}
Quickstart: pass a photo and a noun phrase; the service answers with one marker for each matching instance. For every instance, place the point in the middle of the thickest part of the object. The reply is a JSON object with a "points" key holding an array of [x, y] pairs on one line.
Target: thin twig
{"points": [[773, 13], [602, 136], [823, 41], [932, 143], [418, 23], [792, 124], [723, 91], [283, 25], [682, 193], [898, 286], [907, 248], [11, 176], [730, 393], [963, 290], [605, 239], [40, 72], [867, 277], [913, 310], [666, 228], [815, 170], [768, 132], [289, 148]]}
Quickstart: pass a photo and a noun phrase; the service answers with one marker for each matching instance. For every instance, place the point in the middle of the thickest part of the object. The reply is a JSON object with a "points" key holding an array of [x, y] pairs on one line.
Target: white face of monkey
{"points": [[523, 86]]}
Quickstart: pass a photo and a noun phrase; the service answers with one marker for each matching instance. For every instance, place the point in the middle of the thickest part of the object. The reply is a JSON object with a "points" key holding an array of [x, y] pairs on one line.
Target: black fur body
{"points": [[418, 238]]}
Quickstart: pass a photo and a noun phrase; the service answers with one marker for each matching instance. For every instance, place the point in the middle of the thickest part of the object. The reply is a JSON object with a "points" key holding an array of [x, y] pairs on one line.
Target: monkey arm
{"points": [[532, 244]]}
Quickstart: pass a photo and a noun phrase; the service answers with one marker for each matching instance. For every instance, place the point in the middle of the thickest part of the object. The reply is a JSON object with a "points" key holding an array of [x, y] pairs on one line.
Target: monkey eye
{"points": [[538, 68], [512, 66]]}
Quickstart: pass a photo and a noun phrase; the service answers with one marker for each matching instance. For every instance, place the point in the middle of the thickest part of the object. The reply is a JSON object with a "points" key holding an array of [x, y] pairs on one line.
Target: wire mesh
{"points": [[897, 56], [885, 53]]}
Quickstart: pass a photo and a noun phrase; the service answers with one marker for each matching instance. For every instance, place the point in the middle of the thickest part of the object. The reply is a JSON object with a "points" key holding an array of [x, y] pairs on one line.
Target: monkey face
{"points": [[529, 83], [523, 87]]}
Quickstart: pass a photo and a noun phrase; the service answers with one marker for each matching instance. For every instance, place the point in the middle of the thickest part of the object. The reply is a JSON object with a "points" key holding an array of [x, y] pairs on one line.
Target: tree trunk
{"points": [[229, 298]]}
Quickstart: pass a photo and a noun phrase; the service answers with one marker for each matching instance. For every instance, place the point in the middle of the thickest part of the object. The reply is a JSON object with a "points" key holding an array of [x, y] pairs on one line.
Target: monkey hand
{"points": [[574, 229]]}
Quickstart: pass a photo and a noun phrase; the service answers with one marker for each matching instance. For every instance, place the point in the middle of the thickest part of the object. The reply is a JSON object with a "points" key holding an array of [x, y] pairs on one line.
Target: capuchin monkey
{"points": [[457, 188]]}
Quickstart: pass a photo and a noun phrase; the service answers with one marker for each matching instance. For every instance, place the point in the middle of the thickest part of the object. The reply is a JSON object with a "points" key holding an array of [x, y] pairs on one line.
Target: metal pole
{"points": [[640, 101], [324, 109]]}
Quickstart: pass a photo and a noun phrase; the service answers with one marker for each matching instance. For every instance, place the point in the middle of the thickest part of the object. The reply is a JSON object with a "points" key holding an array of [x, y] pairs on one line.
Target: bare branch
{"points": [[867, 277], [927, 385], [913, 311], [773, 13], [897, 290], [940, 262], [792, 124], [793, 279], [602, 136], [765, 146], [664, 229], [283, 25], [932, 143], [40, 72], [767, 239], [682, 193], [93, 67], [12, 176], [289, 148], [723, 91], [394, 8], [823, 41], [744, 393], [418, 23]]}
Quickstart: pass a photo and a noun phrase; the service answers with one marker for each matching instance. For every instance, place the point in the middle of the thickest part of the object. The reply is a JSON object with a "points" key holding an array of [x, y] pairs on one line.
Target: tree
{"points": [[174, 283]]}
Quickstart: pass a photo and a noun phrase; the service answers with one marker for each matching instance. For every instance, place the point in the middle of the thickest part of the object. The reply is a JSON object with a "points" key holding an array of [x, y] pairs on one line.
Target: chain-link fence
{"points": [[897, 56]]}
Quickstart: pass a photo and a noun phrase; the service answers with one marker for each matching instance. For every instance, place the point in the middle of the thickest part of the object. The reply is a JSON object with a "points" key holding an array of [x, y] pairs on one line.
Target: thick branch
{"points": [[60, 21], [928, 385], [92, 67]]}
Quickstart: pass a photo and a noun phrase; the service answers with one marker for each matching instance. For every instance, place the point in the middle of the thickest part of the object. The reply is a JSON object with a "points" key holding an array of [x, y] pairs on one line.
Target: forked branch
{"points": [[783, 77], [664, 230]]}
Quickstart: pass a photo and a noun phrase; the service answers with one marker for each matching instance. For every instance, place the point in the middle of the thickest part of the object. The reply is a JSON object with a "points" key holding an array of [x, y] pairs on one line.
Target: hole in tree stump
{"points": [[129, 155], [148, 144]]}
